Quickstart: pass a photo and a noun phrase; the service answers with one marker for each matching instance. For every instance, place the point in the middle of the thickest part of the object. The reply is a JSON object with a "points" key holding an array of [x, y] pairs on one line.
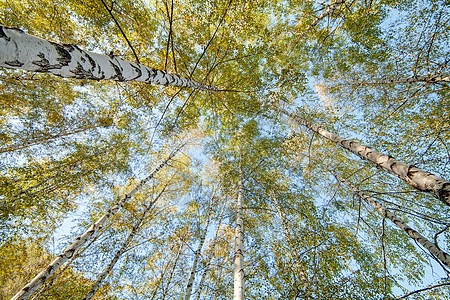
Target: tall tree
{"points": [[239, 273], [71, 144], [34, 284], [433, 248], [419, 179], [22, 51]]}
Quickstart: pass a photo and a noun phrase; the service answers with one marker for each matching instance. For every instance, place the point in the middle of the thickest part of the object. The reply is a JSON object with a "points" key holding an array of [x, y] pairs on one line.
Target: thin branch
{"points": [[120, 28], [170, 37], [212, 38]]}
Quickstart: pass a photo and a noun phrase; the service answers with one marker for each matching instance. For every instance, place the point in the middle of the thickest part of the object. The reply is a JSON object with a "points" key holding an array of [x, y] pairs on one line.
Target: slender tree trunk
{"points": [[166, 289], [431, 247], [50, 282], [187, 294], [413, 79], [239, 240], [119, 253], [34, 284], [19, 50], [208, 262], [415, 177]]}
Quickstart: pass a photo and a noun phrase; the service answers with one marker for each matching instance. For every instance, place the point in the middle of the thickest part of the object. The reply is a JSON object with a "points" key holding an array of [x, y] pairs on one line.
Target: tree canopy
{"points": [[147, 146]]}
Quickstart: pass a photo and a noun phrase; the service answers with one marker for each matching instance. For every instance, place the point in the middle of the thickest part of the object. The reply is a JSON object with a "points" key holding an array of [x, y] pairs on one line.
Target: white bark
{"points": [[433, 248], [413, 79], [330, 9], [208, 261], [122, 249], [34, 284], [19, 50], [239, 240], [187, 294], [415, 177]]}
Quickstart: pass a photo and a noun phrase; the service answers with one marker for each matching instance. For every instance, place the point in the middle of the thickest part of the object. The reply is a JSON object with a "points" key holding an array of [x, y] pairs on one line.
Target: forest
{"points": [[205, 149]]}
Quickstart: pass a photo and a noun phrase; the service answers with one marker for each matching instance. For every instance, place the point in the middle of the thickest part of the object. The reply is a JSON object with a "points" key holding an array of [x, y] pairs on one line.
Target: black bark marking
{"points": [[3, 34], [392, 165], [15, 29], [43, 64], [14, 63], [137, 69], [102, 74], [118, 75], [148, 75], [152, 75], [411, 172], [64, 56], [70, 253], [81, 73], [166, 83], [69, 47], [444, 193], [91, 60]]}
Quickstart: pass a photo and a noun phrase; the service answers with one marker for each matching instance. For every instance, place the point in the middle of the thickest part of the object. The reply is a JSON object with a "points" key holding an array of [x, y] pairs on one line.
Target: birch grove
{"points": [[81, 122]]}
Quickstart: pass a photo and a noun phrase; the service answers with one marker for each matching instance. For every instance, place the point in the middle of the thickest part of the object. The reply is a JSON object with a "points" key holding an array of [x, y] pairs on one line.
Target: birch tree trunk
{"points": [[413, 79], [119, 253], [431, 247], [187, 294], [330, 9], [415, 177], [34, 284], [166, 289], [239, 240], [19, 50], [208, 262]]}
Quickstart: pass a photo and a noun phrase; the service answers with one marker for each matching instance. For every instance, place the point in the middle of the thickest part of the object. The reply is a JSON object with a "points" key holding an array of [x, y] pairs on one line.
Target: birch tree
{"points": [[431, 247], [19, 50], [34, 284], [419, 179], [124, 246], [239, 274], [187, 294]]}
